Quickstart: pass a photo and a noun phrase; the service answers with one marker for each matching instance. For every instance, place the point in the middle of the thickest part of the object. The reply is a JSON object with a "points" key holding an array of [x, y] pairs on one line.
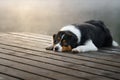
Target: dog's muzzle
{"points": [[60, 48]]}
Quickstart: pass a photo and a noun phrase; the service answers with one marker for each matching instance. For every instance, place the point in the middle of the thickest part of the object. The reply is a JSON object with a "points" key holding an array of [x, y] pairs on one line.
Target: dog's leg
{"points": [[49, 47], [88, 46]]}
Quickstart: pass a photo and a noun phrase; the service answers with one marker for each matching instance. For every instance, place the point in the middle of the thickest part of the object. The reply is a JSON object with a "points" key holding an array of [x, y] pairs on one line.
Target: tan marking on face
{"points": [[66, 49]]}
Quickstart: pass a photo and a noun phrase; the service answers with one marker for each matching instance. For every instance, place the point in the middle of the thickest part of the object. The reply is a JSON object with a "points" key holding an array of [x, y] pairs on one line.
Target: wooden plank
{"points": [[110, 52], [50, 56], [32, 35], [63, 68], [49, 38], [112, 49], [101, 56], [19, 74], [80, 56], [28, 50], [4, 76], [37, 70], [103, 67], [87, 59], [22, 36], [39, 37], [96, 55], [59, 69], [25, 40]]}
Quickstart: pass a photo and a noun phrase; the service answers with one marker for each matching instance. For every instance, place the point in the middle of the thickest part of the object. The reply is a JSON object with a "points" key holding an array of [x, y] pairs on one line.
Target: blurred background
{"points": [[48, 16]]}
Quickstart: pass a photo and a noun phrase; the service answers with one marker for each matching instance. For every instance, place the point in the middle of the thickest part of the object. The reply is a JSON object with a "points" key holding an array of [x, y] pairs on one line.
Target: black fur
{"points": [[94, 30], [70, 38], [97, 32]]}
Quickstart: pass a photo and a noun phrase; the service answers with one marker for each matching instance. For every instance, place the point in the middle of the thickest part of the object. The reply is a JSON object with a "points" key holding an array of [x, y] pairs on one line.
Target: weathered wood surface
{"points": [[23, 57]]}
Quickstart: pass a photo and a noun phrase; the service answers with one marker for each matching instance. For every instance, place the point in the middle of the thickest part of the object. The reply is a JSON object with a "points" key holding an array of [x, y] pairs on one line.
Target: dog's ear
{"points": [[54, 35]]}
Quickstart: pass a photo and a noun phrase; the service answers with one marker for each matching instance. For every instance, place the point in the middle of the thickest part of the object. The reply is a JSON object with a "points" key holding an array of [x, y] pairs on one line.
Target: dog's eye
{"points": [[56, 40], [64, 43]]}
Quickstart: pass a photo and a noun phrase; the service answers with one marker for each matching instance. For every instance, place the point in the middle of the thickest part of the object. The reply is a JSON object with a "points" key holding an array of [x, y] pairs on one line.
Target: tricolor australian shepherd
{"points": [[89, 36]]}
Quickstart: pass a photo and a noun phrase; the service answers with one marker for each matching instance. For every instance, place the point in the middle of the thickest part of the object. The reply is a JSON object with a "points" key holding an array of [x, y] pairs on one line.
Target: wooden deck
{"points": [[23, 57]]}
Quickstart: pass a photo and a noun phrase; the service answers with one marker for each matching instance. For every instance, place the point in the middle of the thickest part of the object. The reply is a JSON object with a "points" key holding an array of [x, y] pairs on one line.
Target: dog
{"points": [[88, 36]]}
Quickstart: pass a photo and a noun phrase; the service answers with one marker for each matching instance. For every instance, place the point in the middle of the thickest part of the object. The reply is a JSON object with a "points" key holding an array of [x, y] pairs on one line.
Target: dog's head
{"points": [[64, 41]]}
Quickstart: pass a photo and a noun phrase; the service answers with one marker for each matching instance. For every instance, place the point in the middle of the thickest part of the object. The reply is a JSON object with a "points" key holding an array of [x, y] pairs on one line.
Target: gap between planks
{"points": [[81, 57], [43, 51]]}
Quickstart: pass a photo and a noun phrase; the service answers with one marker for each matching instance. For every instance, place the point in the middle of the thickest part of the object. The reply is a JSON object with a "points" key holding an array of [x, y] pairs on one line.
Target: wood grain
{"points": [[23, 57]]}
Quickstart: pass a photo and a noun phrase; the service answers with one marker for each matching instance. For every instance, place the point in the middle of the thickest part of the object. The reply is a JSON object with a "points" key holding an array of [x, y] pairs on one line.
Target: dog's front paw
{"points": [[49, 48], [75, 50]]}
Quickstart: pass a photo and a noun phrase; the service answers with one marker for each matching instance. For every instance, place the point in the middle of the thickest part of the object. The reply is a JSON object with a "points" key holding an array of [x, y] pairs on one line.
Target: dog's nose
{"points": [[56, 48]]}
